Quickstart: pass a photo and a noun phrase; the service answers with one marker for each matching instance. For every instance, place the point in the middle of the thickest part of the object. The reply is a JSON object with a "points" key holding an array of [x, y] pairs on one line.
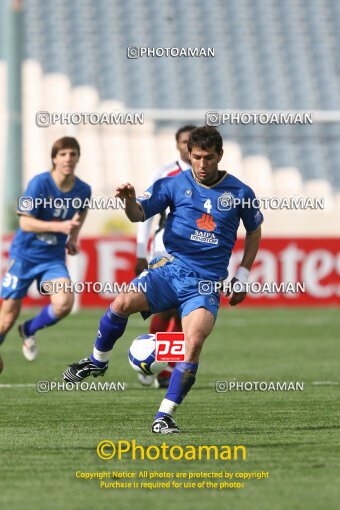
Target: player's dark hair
{"points": [[184, 129], [67, 142], [205, 137]]}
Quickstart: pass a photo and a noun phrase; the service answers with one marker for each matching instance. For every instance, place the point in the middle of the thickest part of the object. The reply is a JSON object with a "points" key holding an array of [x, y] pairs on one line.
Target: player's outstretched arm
{"points": [[132, 209], [251, 246]]}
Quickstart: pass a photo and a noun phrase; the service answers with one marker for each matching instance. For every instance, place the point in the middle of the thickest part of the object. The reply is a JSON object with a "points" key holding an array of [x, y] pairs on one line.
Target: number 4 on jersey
{"points": [[208, 205]]}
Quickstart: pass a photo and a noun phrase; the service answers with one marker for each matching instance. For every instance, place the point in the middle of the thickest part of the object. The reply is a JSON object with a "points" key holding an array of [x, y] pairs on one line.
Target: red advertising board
{"points": [[314, 263]]}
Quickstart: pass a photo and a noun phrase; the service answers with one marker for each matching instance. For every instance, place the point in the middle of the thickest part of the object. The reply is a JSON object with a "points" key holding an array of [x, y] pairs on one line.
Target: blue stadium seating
{"points": [[270, 54]]}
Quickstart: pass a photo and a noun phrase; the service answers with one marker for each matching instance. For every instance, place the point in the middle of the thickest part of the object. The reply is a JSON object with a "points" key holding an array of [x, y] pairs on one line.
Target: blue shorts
{"points": [[171, 285], [21, 273]]}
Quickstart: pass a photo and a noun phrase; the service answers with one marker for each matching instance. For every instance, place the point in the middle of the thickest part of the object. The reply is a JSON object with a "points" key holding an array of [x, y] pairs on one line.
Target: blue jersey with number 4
{"points": [[52, 205], [201, 228]]}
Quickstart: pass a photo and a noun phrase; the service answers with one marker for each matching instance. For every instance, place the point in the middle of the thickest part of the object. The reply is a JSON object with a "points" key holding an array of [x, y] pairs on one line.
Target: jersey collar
{"points": [[213, 185]]}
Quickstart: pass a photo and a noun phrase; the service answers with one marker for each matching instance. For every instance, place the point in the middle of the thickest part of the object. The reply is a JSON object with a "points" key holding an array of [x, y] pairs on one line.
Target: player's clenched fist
{"points": [[126, 191], [237, 297]]}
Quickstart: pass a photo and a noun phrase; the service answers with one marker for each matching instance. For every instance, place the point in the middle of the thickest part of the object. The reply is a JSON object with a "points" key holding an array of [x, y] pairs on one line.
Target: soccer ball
{"points": [[142, 354]]}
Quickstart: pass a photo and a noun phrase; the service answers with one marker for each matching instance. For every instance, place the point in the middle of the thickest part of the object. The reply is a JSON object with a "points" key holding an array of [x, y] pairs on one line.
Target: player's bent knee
{"points": [[195, 339], [122, 305]]}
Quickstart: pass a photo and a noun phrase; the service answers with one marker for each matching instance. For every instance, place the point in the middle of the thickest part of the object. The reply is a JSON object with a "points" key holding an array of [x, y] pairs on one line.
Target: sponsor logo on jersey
{"points": [[225, 202], [206, 222], [145, 195], [204, 237]]}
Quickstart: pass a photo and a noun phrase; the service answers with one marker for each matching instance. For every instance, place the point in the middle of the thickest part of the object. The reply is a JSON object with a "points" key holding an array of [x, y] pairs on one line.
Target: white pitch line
{"points": [[18, 385], [326, 383]]}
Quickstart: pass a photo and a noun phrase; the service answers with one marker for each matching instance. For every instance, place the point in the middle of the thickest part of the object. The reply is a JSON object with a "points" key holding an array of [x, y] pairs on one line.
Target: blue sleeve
{"points": [[251, 215], [31, 201], [156, 198]]}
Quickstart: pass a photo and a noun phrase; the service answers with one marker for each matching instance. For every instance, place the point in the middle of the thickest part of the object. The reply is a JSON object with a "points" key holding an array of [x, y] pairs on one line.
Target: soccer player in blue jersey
{"points": [[52, 211], [200, 234]]}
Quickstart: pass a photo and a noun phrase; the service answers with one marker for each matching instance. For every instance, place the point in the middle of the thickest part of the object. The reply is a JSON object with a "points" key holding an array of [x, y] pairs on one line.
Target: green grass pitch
{"points": [[46, 437]]}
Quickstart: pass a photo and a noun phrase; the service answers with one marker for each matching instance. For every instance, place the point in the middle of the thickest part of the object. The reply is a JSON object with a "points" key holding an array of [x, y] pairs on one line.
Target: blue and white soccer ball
{"points": [[142, 354]]}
